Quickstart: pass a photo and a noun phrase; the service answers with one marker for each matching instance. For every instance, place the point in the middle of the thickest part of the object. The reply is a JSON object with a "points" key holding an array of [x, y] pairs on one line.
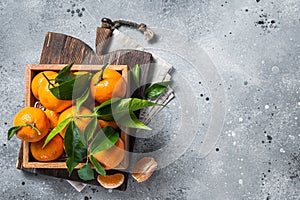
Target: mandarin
{"points": [[31, 116], [80, 122], [113, 156], [48, 100], [103, 124], [37, 80], [52, 151], [52, 117], [111, 85]]}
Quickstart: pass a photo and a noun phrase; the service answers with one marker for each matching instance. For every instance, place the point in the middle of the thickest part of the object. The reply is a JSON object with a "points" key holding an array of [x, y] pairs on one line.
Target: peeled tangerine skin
{"points": [[143, 169]]}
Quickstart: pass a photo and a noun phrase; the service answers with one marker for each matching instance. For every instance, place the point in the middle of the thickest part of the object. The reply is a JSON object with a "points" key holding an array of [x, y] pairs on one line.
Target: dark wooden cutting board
{"points": [[63, 49]]}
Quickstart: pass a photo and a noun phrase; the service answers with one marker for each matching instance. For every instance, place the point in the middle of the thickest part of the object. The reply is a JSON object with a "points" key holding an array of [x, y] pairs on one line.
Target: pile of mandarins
{"points": [[36, 123]]}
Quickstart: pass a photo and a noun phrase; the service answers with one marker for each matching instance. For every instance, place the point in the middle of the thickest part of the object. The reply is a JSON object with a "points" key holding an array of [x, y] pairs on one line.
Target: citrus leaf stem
{"points": [[100, 78], [49, 81]]}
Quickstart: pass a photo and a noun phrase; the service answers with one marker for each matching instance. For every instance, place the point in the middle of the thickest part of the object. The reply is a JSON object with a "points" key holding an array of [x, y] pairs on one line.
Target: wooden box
{"points": [[31, 71]]}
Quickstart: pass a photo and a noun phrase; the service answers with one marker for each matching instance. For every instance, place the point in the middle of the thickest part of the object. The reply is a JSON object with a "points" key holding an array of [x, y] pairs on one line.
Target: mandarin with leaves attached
{"points": [[48, 100], [37, 80], [81, 122], [28, 118], [110, 85]]}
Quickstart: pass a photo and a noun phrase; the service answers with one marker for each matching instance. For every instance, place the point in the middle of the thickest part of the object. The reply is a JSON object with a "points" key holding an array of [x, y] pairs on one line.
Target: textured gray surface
{"points": [[253, 44]]}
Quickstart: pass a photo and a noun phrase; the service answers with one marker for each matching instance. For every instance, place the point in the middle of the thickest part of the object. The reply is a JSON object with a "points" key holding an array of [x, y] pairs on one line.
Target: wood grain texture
{"points": [[102, 39], [60, 48]]}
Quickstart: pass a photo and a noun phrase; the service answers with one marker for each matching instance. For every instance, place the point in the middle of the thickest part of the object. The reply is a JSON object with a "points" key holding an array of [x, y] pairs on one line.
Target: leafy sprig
{"points": [[80, 147]]}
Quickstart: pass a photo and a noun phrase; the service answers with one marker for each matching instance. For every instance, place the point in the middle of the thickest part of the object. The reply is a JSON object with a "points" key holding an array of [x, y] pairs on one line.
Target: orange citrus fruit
{"points": [[48, 100], [111, 181], [111, 157], [52, 151], [37, 118], [106, 123], [52, 117], [37, 80], [80, 122], [112, 85]]}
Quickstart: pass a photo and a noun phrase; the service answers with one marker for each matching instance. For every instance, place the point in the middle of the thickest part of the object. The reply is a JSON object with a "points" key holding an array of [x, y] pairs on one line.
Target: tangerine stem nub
{"points": [[34, 128]]}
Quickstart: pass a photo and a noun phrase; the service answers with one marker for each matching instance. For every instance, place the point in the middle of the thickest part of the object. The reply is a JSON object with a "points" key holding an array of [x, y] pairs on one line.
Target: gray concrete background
{"points": [[254, 45]]}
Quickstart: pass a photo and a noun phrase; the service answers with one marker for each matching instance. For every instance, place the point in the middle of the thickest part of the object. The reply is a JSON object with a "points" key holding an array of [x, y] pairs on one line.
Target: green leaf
{"points": [[12, 131], [74, 147], [132, 122], [86, 173], [71, 164], [104, 110], [57, 129], [65, 74], [82, 99], [90, 129], [118, 109], [132, 104], [136, 74], [98, 167], [104, 139], [73, 88], [156, 89], [123, 112], [106, 104]]}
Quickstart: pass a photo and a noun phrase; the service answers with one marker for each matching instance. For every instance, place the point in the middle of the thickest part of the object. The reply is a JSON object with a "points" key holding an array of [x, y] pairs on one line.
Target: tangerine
{"points": [[80, 122], [52, 117], [111, 157], [111, 85], [48, 100], [28, 117], [52, 151], [37, 80], [103, 124]]}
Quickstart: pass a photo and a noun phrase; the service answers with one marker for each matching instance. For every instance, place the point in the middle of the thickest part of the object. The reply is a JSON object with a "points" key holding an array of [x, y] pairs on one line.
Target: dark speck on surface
{"points": [[265, 23], [269, 137], [23, 183], [245, 82], [86, 198], [80, 15], [83, 9], [207, 98], [68, 10], [77, 10], [72, 11]]}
